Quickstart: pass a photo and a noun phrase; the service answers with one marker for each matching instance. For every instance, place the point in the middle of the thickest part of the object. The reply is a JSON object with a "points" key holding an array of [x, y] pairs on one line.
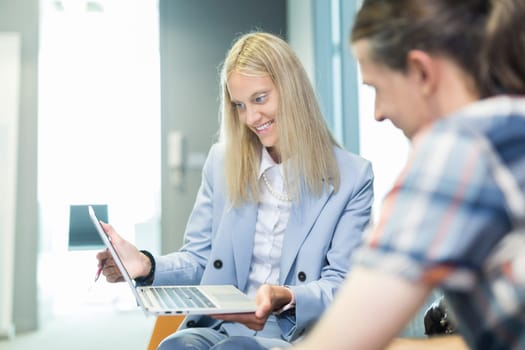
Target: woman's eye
{"points": [[261, 98], [238, 105]]}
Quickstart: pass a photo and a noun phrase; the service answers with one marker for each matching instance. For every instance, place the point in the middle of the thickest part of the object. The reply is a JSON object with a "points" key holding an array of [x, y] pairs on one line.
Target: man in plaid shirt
{"points": [[455, 218], [448, 211]]}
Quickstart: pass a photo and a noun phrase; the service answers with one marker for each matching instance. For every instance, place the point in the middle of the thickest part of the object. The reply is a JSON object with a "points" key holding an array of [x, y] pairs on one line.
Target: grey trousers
{"points": [[218, 339]]}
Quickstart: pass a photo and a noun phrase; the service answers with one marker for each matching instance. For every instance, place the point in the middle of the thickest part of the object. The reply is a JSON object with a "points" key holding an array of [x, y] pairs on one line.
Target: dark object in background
{"points": [[82, 234], [438, 319]]}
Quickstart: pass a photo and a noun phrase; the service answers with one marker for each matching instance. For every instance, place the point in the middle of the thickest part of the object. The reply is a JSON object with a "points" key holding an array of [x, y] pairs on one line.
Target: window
{"points": [[347, 104], [99, 130]]}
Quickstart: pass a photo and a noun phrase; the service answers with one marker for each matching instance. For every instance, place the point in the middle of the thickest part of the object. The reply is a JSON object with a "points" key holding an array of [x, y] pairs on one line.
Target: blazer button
{"points": [[302, 276], [190, 324], [217, 264]]}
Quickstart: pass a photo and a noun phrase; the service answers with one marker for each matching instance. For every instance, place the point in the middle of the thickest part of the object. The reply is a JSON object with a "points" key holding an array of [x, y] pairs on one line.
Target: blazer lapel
{"points": [[243, 231], [302, 216]]}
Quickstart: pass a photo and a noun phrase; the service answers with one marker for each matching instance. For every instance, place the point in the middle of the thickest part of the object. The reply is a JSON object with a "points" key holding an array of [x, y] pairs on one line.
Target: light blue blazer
{"points": [[321, 234]]}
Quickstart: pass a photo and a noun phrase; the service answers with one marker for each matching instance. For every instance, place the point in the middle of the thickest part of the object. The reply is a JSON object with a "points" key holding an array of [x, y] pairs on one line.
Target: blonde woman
{"points": [[280, 209]]}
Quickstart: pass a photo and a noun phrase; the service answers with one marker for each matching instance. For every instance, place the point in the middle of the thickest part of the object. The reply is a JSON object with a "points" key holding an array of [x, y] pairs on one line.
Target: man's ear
{"points": [[424, 71]]}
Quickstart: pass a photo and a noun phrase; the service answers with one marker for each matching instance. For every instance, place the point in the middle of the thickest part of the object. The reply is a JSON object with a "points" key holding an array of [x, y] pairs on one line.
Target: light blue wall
{"points": [[336, 69]]}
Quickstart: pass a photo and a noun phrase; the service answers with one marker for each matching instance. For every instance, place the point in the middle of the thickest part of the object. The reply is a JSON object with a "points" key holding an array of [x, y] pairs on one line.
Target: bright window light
{"points": [[99, 127]]}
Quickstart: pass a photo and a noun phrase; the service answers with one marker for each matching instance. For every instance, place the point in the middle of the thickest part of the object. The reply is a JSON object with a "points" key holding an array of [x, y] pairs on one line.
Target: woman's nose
{"points": [[252, 114]]}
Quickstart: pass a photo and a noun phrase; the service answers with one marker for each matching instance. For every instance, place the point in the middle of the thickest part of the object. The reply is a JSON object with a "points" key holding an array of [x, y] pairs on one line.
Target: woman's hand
{"points": [[269, 298], [136, 263]]}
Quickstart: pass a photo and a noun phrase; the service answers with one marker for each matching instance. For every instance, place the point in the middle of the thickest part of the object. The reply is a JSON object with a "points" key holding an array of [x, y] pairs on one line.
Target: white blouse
{"points": [[272, 217]]}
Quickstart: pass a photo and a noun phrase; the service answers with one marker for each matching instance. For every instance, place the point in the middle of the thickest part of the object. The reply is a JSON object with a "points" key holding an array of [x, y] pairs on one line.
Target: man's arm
{"points": [[449, 342], [368, 312]]}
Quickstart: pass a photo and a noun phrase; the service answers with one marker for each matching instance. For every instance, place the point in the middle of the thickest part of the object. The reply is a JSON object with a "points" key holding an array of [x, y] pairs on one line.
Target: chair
{"points": [[164, 326]]}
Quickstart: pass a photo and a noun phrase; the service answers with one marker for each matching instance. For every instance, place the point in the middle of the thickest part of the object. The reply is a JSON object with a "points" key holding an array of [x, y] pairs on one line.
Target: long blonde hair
{"points": [[304, 140]]}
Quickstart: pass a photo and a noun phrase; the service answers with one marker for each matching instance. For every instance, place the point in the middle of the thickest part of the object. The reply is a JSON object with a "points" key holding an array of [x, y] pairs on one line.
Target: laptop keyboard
{"points": [[180, 298]]}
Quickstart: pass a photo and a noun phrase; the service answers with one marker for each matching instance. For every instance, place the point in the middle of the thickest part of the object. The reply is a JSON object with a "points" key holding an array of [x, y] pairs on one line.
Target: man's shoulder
{"points": [[495, 114], [495, 118]]}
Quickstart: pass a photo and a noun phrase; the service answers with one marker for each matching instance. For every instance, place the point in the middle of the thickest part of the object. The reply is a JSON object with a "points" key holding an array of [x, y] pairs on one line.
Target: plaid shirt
{"points": [[446, 214]]}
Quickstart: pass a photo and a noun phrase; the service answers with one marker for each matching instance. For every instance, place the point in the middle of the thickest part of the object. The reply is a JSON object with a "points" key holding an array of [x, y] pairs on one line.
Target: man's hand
{"points": [[449, 342]]}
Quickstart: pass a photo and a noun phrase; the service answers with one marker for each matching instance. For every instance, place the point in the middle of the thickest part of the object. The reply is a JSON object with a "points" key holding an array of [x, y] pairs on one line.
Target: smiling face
{"points": [[256, 100]]}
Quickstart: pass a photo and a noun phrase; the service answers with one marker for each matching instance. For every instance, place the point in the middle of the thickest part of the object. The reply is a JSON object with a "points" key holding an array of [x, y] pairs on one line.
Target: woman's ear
{"points": [[424, 71]]}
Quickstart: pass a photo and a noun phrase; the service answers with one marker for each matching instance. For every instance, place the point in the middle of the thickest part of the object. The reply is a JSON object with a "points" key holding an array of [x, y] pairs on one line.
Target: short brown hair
{"points": [[504, 67], [454, 28]]}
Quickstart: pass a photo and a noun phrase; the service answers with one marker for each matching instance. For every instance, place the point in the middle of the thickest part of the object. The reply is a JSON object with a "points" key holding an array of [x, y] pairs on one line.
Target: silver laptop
{"points": [[180, 300]]}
